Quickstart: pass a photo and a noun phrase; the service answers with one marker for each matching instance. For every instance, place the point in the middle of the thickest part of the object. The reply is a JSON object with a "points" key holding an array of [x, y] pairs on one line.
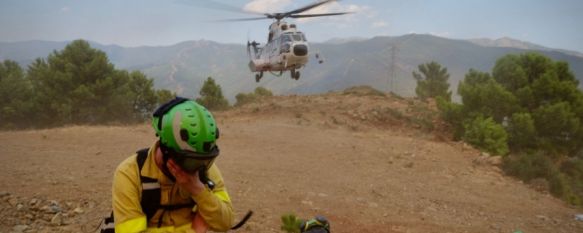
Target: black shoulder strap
{"points": [[150, 188], [142, 156]]}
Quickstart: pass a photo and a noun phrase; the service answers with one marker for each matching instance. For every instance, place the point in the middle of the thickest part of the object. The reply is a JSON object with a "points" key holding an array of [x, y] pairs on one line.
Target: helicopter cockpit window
{"points": [[297, 37], [286, 39], [303, 36]]}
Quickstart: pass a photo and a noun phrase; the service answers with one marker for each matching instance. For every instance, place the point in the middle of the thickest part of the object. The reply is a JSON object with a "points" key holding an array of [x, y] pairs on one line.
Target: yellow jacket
{"points": [[213, 206]]}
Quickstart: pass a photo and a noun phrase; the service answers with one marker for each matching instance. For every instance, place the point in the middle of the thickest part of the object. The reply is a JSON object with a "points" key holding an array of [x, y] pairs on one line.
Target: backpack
{"points": [[150, 198]]}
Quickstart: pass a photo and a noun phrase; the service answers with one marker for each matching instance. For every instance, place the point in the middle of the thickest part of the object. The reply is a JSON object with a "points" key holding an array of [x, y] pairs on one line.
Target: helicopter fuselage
{"points": [[286, 49]]}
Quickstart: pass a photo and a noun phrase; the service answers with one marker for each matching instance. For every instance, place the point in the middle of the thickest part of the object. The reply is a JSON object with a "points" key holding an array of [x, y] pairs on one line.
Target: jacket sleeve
{"points": [[215, 206], [127, 210]]}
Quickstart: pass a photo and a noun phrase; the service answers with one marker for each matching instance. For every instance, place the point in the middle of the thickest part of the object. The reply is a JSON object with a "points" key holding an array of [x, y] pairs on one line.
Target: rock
{"points": [[4, 193], [90, 204], [33, 201], [29, 216], [13, 202], [542, 217], [495, 160], [45, 208], [54, 207], [78, 210], [19, 228], [465, 146], [20, 207], [57, 220]]}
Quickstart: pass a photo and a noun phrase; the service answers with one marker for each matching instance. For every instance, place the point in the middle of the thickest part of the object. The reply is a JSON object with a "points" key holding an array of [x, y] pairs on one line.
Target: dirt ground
{"points": [[345, 156]]}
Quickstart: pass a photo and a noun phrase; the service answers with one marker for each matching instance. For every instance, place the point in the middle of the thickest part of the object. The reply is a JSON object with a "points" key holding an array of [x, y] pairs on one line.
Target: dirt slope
{"points": [[369, 163]]}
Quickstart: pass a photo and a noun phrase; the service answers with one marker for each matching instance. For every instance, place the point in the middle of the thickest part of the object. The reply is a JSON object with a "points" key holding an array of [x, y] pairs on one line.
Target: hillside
{"points": [[184, 66], [369, 162]]}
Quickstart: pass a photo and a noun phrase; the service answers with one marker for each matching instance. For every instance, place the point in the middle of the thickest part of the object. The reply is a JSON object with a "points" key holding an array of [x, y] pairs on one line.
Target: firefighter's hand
{"points": [[189, 182], [198, 224]]}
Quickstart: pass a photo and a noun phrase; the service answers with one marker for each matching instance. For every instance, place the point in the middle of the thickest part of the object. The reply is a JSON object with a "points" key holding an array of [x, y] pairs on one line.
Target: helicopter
{"points": [[287, 48]]}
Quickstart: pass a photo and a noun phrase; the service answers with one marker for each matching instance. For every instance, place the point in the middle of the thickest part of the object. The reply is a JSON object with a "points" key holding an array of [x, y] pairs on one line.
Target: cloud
{"points": [[379, 24], [266, 6], [65, 9]]}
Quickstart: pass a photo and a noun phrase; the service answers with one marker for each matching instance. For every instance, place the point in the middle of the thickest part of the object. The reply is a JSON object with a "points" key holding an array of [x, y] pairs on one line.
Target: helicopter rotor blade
{"points": [[305, 8], [319, 15], [215, 5], [240, 19]]}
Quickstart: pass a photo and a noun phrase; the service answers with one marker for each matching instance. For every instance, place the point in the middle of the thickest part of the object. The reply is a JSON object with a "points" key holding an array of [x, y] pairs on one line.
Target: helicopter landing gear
{"points": [[258, 76], [295, 74]]}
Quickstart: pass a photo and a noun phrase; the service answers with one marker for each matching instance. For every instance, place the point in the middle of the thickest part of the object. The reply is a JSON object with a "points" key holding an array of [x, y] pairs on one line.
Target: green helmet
{"points": [[185, 126]]}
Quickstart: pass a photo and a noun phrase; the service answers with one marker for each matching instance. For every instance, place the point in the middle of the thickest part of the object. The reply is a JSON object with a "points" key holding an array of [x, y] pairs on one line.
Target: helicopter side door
{"points": [[274, 51]]}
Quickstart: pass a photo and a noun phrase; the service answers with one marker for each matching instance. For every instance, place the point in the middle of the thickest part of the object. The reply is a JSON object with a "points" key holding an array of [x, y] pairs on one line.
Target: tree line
{"points": [[528, 109], [77, 85]]}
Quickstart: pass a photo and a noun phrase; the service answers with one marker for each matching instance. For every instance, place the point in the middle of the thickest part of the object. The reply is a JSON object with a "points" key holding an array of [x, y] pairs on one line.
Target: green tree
{"points": [[164, 96], [78, 85], [486, 135], [73, 85], [15, 93], [432, 81], [537, 103], [211, 96], [557, 127], [481, 94], [521, 132], [142, 95]]}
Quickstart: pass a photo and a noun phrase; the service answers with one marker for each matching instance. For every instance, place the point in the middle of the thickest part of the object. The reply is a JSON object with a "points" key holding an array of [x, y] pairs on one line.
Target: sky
{"points": [[551, 23]]}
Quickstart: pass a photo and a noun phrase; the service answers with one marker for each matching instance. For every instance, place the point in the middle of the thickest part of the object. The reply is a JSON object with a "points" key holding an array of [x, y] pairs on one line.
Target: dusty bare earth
{"points": [[369, 163]]}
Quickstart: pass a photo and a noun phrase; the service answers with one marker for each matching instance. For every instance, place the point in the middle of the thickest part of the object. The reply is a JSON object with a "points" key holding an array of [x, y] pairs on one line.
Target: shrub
{"points": [[290, 223], [245, 98], [528, 166], [362, 91], [262, 91], [486, 135], [451, 113]]}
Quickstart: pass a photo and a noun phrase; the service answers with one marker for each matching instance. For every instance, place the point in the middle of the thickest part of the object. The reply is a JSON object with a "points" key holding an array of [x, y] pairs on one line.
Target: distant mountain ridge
{"points": [[183, 67], [514, 43]]}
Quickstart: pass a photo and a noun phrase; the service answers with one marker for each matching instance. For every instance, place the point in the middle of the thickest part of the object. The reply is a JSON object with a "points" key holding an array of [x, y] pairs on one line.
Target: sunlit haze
{"points": [[555, 24]]}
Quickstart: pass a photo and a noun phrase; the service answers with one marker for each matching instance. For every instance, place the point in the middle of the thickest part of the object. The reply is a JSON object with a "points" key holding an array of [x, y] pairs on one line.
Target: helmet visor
{"points": [[191, 161]]}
